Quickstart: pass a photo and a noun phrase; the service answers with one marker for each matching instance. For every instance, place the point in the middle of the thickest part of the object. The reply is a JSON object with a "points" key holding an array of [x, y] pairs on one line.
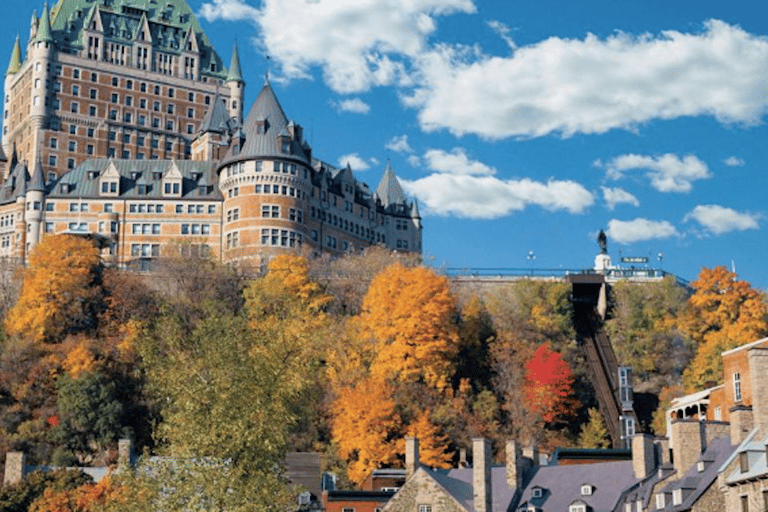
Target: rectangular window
{"points": [[737, 387], [745, 504], [425, 508]]}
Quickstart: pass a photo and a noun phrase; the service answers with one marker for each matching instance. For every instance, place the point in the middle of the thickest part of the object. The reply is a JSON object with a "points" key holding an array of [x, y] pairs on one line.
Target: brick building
{"points": [[121, 124]]}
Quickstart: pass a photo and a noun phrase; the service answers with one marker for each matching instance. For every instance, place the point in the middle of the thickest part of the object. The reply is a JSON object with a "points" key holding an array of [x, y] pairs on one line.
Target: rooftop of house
{"points": [[599, 486], [754, 448], [458, 483]]}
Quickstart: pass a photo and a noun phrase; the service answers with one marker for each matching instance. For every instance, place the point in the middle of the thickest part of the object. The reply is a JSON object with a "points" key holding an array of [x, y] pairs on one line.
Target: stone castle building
{"points": [[122, 124]]}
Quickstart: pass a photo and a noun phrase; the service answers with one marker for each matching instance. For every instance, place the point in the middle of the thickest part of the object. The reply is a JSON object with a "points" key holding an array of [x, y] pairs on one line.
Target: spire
{"points": [[37, 182], [389, 189], [15, 65], [44, 27], [235, 75]]}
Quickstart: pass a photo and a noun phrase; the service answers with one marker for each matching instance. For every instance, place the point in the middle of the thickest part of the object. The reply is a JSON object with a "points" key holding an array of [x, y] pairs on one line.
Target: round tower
{"points": [[35, 205], [40, 56], [236, 86]]}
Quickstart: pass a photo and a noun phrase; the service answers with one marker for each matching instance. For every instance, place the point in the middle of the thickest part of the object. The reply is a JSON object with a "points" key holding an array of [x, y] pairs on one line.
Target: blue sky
{"points": [[529, 126]]}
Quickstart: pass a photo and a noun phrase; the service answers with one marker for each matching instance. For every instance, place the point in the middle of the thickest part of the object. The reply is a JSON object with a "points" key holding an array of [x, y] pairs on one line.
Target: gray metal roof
{"points": [[389, 190], [216, 118], [755, 448], [262, 128], [458, 483], [562, 485], [83, 182]]}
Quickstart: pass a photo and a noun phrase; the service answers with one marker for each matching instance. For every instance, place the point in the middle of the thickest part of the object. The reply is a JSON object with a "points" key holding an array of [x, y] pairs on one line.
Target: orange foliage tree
{"points": [[549, 385], [85, 498], [403, 348], [61, 291], [409, 314], [722, 314]]}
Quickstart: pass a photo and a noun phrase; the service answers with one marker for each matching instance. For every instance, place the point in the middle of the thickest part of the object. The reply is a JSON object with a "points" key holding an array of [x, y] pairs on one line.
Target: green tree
{"points": [[642, 331], [91, 416]]}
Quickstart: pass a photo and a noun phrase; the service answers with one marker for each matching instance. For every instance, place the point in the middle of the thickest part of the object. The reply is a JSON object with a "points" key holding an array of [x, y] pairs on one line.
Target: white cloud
{"points": [[734, 161], [639, 230], [503, 31], [358, 45], [719, 219], [668, 173], [228, 10], [614, 196], [414, 161], [487, 197], [399, 144], [354, 105], [570, 86], [455, 162], [356, 162]]}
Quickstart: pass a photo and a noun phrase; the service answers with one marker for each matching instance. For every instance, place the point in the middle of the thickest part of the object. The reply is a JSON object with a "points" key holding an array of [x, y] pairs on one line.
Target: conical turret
{"points": [[389, 190], [15, 65], [235, 74], [44, 27]]}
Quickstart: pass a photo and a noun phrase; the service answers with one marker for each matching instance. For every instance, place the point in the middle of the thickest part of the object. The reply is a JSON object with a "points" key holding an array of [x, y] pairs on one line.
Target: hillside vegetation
{"points": [[344, 357]]}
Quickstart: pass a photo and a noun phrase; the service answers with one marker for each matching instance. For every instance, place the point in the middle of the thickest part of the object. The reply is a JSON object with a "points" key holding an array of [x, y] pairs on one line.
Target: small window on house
{"points": [[745, 504], [677, 497], [701, 466], [577, 507], [537, 492], [425, 508], [737, 387], [744, 462], [660, 500], [586, 490]]}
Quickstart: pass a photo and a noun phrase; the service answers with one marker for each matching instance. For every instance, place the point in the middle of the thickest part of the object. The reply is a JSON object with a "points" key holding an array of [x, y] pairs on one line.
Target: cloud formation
{"points": [[399, 144], [667, 173], [467, 188], [358, 45], [718, 219], [639, 230], [356, 162], [614, 196], [592, 85], [734, 161], [353, 105], [455, 162]]}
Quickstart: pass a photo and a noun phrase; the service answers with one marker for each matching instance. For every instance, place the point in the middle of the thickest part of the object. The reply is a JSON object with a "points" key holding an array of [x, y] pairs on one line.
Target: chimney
{"points": [[643, 455], [463, 458], [481, 474], [662, 446], [532, 453], [741, 422], [689, 444], [515, 465], [758, 370], [15, 463], [411, 456], [124, 454]]}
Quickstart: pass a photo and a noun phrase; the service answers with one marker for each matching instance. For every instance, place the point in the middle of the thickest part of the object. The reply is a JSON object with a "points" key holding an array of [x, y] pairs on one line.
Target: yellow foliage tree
{"points": [[60, 293], [80, 360], [401, 351], [722, 314], [409, 314]]}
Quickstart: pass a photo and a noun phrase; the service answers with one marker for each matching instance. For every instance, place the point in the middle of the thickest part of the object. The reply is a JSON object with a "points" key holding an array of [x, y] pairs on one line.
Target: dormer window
{"points": [[660, 501], [577, 507], [744, 462], [701, 466], [677, 497], [586, 490], [172, 189], [109, 188], [92, 175], [143, 189], [537, 492]]}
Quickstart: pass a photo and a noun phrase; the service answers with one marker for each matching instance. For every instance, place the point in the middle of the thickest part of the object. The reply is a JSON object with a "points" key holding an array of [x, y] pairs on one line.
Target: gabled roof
{"points": [[754, 448], [457, 483], [389, 190], [698, 482], [169, 22], [563, 485]]}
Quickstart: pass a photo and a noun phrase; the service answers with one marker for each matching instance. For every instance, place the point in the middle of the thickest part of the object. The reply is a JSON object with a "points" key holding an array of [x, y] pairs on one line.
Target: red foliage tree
{"points": [[549, 386]]}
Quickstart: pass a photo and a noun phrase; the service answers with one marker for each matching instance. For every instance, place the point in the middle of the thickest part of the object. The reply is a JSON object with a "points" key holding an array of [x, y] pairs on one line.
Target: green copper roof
{"points": [[169, 21], [235, 75], [44, 27], [15, 65]]}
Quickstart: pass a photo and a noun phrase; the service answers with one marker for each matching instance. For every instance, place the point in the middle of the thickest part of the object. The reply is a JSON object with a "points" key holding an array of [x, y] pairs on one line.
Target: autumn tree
{"points": [[88, 497], [594, 433], [61, 292], [722, 314], [404, 343], [642, 329], [549, 386]]}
